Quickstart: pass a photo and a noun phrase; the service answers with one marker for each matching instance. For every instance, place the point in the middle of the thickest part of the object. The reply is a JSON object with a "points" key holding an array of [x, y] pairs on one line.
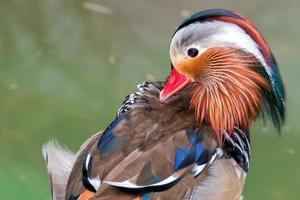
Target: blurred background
{"points": [[65, 67]]}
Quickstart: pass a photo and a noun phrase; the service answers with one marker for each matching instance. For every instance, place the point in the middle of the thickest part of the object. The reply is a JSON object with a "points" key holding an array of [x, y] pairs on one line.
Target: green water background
{"points": [[65, 67]]}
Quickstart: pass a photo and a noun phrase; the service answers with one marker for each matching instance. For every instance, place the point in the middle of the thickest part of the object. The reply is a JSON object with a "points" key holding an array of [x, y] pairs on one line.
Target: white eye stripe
{"points": [[211, 34]]}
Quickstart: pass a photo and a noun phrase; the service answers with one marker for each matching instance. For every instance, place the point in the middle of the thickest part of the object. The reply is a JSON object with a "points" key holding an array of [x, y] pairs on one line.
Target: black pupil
{"points": [[192, 52]]}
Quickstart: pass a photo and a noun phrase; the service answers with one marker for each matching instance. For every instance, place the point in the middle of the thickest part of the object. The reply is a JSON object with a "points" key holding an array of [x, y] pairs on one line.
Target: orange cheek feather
{"points": [[228, 92], [190, 67], [231, 95]]}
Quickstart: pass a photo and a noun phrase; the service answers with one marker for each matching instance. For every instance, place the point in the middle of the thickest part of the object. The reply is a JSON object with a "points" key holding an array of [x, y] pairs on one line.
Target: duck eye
{"points": [[192, 52]]}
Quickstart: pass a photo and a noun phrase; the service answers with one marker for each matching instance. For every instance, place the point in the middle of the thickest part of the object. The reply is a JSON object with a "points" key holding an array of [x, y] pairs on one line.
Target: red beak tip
{"points": [[162, 97], [175, 83]]}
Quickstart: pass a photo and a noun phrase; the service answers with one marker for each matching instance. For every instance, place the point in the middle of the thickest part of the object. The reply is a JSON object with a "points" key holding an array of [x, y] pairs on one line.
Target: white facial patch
{"points": [[205, 35]]}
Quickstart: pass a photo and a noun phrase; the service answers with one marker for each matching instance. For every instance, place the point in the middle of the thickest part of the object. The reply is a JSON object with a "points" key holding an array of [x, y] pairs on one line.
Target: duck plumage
{"points": [[186, 138], [155, 146]]}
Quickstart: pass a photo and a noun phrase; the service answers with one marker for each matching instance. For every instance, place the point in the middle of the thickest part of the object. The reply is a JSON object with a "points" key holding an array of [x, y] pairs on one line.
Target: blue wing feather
{"points": [[109, 142], [196, 153], [184, 157]]}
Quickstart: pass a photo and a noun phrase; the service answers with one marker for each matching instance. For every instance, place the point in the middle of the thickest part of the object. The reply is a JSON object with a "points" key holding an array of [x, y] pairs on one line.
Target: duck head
{"points": [[233, 73]]}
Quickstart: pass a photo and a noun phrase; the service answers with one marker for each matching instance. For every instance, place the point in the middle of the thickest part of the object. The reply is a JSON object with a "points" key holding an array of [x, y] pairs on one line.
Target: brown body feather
{"points": [[151, 135]]}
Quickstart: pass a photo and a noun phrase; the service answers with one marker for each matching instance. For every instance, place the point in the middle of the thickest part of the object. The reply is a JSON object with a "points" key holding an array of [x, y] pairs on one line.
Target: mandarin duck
{"points": [[186, 137]]}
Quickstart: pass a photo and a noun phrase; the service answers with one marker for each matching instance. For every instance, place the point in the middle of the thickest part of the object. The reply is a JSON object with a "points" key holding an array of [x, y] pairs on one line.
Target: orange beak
{"points": [[175, 83]]}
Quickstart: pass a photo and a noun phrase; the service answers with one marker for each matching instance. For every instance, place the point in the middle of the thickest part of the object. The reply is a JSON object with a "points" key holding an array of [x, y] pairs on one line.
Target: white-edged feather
{"points": [[198, 169], [60, 161], [130, 185], [93, 181]]}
